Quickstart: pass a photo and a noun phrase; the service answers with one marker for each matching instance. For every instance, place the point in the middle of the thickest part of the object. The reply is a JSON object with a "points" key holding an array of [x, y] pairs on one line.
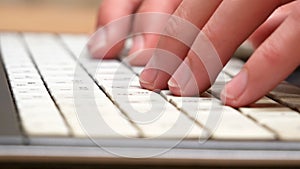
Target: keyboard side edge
{"points": [[10, 129]]}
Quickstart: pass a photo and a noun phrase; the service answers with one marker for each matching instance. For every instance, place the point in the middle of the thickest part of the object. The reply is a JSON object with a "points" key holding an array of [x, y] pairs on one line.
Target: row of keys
{"points": [[38, 113], [266, 112], [285, 93], [223, 122], [231, 125], [129, 111], [78, 97], [156, 117], [135, 99], [284, 121]]}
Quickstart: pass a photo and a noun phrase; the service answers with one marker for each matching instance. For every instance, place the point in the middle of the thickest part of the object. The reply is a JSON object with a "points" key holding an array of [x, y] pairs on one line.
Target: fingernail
{"points": [[148, 77], [98, 41], [174, 87], [180, 79], [234, 89], [172, 83]]}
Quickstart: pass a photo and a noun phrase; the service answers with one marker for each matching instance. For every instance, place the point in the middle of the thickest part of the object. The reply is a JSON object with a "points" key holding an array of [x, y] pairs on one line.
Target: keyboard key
{"points": [[233, 125], [287, 94], [268, 113], [233, 67], [285, 90], [166, 122], [222, 79], [277, 119], [287, 128], [205, 102], [39, 121], [291, 102], [81, 119]]}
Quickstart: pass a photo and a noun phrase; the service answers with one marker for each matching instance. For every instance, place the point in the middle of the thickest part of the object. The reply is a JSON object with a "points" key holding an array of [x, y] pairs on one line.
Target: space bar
{"points": [[10, 132]]}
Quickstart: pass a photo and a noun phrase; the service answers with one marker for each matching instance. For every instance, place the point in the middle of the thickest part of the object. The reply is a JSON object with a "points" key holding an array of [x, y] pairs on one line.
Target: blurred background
{"points": [[68, 16]]}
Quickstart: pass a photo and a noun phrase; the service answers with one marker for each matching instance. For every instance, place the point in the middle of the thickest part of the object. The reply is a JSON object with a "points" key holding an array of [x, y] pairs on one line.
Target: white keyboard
{"points": [[61, 92]]}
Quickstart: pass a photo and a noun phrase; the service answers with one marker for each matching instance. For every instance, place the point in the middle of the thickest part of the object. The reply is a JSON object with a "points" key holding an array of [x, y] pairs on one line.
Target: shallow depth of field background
{"points": [[72, 16]]}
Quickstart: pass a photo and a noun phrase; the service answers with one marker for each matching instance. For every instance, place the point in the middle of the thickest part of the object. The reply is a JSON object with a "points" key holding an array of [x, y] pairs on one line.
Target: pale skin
{"points": [[271, 26]]}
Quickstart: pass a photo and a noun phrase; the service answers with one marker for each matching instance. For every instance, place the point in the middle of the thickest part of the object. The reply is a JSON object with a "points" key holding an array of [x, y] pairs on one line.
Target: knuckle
{"points": [[211, 33], [172, 27]]}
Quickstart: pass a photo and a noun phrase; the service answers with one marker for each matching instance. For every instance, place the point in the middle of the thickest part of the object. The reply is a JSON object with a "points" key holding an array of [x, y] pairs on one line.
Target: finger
{"points": [[179, 36], [107, 42], [272, 23], [142, 22], [272, 62], [231, 24]]}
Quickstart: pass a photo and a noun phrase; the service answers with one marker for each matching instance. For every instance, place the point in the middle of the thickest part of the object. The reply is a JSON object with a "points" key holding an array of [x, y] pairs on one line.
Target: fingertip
{"points": [[232, 92], [174, 87], [154, 79], [227, 100], [147, 78]]}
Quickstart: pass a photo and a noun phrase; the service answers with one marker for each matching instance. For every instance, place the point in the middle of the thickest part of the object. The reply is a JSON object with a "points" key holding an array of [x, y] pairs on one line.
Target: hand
{"points": [[112, 17], [271, 26]]}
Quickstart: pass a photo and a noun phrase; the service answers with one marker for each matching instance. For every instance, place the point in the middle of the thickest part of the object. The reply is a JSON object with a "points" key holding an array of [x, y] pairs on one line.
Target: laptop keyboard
{"points": [[57, 93]]}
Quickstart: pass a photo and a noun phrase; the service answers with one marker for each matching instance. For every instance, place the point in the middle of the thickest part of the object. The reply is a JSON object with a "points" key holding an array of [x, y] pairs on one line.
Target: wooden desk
{"points": [[47, 17]]}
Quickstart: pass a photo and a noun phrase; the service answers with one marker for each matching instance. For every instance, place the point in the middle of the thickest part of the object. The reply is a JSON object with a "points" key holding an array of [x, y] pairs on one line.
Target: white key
{"points": [[223, 78], [233, 125], [167, 123], [105, 121], [265, 101], [227, 123], [268, 113], [39, 127], [284, 121], [287, 128], [121, 128], [43, 121], [234, 66], [204, 102]]}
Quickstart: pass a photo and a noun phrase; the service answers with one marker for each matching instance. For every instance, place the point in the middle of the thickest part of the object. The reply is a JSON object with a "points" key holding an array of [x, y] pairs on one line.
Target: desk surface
{"points": [[41, 17]]}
